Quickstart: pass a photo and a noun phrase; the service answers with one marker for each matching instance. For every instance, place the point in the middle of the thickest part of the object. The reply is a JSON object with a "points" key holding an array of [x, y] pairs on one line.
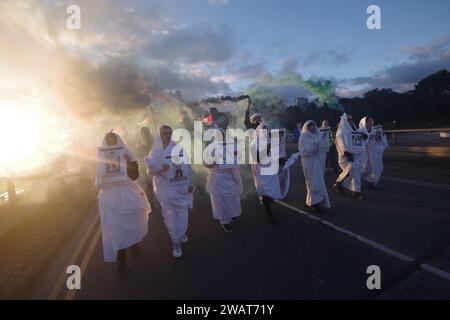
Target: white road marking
{"points": [[441, 273], [408, 181]]}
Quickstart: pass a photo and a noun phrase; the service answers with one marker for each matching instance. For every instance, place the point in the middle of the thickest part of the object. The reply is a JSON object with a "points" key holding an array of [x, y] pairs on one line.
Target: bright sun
{"points": [[20, 134]]}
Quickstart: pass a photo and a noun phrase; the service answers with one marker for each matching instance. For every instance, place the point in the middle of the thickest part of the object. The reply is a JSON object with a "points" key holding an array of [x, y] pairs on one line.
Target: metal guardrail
{"points": [[395, 132], [11, 180]]}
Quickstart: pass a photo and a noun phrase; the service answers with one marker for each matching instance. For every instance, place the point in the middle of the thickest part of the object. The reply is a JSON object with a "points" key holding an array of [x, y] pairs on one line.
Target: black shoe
{"points": [[376, 188], [315, 208], [227, 228], [123, 271], [234, 219], [135, 252], [338, 187], [359, 196], [273, 221]]}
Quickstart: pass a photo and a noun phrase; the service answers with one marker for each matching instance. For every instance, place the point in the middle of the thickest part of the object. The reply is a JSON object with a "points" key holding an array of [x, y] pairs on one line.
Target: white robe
{"points": [[324, 148], [313, 168], [225, 188], [275, 186], [123, 209], [373, 161], [174, 198], [351, 171]]}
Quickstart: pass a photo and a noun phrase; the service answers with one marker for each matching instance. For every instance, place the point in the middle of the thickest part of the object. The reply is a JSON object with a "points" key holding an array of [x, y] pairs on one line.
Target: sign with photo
{"points": [[324, 134], [357, 141], [113, 166], [176, 174], [377, 135]]}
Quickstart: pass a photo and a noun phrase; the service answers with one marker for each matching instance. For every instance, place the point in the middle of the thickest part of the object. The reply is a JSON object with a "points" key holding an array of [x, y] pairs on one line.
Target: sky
{"points": [[60, 85], [210, 47]]}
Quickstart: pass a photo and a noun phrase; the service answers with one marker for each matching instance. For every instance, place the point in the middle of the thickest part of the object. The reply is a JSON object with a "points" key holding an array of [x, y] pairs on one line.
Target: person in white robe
{"points": [[373, 162], [313, 167], [173, 185], [350, 158], [225, 188], [269, 186], [324, 147], [123, 209]]}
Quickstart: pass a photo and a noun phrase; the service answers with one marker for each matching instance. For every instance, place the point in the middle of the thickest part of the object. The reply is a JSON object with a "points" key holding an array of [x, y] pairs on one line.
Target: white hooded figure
{"points": [[350, 158], [172, 184], [313, 169], [324, 147], [123, 207], [373, 164], [225, 188], [269, 186]]}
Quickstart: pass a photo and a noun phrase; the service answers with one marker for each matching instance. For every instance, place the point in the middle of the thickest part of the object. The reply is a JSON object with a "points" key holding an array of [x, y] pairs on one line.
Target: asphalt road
{"points": [[305, 257]]}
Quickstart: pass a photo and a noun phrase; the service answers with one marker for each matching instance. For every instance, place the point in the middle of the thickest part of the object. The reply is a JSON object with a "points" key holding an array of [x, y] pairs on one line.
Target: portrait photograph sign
{"points": [[357, 141], [113, 167], [378, 134], [177, 172]]}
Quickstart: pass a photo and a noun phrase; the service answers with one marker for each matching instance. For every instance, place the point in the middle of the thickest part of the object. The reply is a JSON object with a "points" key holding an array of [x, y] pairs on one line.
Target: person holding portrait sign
{"points": [[123, 205], [376, 144], [324, 135], [311, 151], [351, 147], [173, 185], [269, 167], [224, 182]]}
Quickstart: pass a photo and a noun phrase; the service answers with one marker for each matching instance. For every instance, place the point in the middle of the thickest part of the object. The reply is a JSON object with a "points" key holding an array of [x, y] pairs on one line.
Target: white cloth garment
{"points": [[373, 161], [225, 188], [275, 186], [351, 171], [124, 209], [313, 170], [324, 148], [172, 194]]}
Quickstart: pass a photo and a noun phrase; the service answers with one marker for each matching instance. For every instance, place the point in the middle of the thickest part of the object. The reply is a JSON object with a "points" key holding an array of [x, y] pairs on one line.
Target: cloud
{"points": [[192, 86], [245, 73], [218, 2], [289, 65], [422, 62], [433, 50], [335, 58], [116, 61], [198, 43]]}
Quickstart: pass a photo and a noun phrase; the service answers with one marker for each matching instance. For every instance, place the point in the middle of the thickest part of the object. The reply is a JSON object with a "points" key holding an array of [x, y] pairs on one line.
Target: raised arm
{"points": [[247, 122]]}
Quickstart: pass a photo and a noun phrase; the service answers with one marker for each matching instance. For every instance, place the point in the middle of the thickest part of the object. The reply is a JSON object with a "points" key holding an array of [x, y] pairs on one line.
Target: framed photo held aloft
{"points": [[113, 166]]}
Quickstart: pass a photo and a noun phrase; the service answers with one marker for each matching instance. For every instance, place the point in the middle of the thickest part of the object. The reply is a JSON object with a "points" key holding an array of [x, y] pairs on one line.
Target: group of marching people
{"points": [[124, 207], [364, 162]]}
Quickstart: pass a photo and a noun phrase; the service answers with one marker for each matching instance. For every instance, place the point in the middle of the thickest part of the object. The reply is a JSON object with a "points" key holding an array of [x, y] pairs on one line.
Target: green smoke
{"points": [[266, 86], [325, 90]]}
